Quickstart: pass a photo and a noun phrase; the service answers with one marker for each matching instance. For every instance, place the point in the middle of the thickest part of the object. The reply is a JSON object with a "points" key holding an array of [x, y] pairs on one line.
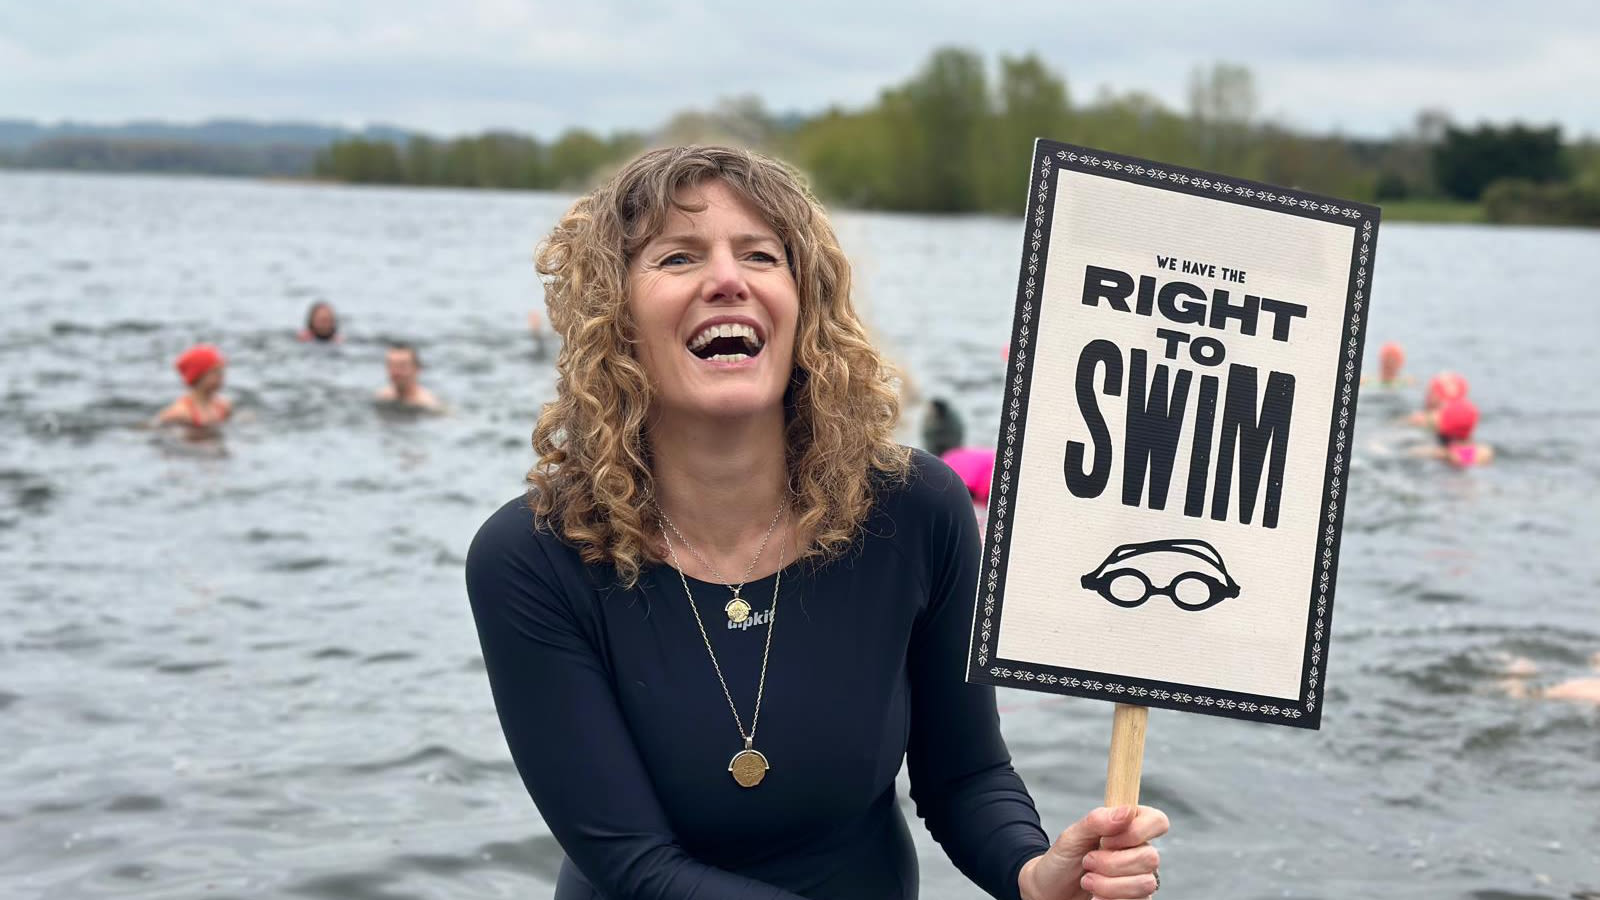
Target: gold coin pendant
{"points": [[737, 610], [748, 767]]}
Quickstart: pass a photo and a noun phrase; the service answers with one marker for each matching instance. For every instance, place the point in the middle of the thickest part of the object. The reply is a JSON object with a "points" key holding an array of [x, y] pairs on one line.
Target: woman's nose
{"points": [[724, 278]]}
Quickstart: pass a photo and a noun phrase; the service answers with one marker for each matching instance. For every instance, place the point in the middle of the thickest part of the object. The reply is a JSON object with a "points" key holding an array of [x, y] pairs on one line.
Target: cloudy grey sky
{"points": [[452, 66]]}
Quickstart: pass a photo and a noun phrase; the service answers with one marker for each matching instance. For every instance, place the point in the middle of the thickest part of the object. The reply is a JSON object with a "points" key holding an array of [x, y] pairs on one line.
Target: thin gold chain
{"points": [[772, 616], [707, 563]]}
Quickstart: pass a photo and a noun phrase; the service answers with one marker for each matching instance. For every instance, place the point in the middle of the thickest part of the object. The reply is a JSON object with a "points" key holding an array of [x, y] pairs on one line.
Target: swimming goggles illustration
{"points": [[1122, 578]]}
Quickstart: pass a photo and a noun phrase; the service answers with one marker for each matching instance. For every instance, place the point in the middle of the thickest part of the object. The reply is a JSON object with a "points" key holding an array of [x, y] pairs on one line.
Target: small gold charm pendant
{"points": [[737, 610], [748, 766]]}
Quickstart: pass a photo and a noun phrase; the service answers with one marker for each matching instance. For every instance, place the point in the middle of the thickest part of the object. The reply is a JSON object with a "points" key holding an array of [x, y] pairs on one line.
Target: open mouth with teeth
{"points": [[727, 342]]}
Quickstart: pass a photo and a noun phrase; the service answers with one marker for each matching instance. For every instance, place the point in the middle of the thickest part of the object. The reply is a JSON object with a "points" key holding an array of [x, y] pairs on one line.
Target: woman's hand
{"points": [[1105, 854]]}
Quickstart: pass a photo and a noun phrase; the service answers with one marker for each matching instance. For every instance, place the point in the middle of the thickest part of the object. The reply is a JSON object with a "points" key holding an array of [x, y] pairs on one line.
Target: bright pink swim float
{"points": [[975, 466]]}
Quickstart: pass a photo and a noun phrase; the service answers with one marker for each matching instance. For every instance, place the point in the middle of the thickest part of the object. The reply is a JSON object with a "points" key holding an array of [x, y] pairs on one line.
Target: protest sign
{"points": [[1174, 445]]}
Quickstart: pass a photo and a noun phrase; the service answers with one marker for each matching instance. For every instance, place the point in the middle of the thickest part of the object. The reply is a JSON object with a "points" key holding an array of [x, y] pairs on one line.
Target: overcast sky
{"points": [[1360, 66]]}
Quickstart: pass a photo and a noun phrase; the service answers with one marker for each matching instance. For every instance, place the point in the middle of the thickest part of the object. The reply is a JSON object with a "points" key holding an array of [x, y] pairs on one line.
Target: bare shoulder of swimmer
{"points": [[173, 414], [1586, 690]]}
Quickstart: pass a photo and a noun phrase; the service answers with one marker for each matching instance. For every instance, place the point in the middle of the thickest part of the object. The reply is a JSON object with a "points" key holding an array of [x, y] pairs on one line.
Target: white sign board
{"points": [[1170, 477]]}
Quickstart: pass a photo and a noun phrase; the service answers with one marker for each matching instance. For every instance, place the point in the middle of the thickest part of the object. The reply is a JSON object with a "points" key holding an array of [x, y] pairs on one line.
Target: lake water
{"points": [[247, 669]]}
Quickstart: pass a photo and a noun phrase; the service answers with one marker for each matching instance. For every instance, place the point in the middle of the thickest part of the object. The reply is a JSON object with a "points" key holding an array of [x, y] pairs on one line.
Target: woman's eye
{"points": [[675, 259], [762, 256]]}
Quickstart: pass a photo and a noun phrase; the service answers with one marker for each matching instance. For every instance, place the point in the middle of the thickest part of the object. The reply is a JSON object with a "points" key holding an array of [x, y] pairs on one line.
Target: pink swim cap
{"points": [[1457, 418], [975, 466], [1443, 388]]}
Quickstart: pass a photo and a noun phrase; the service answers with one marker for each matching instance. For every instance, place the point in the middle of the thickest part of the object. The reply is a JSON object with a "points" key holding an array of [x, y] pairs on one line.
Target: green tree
{"points": [[1466, 162], [361, 161], [575, 157], [1033, 104], [849, 157], [1222, 106], [947, 109]]}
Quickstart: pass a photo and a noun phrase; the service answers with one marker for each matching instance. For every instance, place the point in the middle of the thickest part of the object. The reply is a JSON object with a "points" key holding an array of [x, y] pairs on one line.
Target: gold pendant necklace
{"points": [[737, 609], [749, 766]]}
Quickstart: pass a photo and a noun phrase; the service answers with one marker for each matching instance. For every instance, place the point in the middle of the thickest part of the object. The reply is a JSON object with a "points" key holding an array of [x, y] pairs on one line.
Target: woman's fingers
{"points": [[1148, 825], [1128, 888], [1141, 860]]}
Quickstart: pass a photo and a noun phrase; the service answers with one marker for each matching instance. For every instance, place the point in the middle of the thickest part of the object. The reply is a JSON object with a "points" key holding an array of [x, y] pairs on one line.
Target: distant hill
{"points": [[215, 147], [19, 134]]}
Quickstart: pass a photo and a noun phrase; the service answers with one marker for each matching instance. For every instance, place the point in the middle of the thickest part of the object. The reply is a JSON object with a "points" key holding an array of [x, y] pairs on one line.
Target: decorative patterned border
{"points": [[1050, 158], [1113, 689], [1001, 489], [1209, 182]]}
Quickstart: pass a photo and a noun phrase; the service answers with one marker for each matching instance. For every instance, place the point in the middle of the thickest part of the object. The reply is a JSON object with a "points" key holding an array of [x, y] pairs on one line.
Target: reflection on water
{"points": [[244, 666]]}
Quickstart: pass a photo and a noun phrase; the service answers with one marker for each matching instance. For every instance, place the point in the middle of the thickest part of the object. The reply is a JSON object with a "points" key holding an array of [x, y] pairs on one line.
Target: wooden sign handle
{"points": [[1127, 755]]}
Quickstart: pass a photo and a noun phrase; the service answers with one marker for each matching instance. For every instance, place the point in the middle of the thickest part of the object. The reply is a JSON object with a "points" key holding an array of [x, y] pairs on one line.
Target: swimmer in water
{"points": [[1442, 388], [942, 430], [537, 332], [942, 435], [322, 325], [1517, 670], [1454, 423], [202, 406], [1391, 360], [404, 366]]}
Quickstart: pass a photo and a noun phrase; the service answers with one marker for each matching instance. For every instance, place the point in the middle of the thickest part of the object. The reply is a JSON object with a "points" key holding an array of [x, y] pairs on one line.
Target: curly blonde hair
{"points": [[593, 481]]}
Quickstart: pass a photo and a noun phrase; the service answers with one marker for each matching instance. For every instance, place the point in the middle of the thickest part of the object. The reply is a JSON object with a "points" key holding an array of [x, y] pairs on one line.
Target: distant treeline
{"points": [[494, 160], [103, 154], [956, 138]]}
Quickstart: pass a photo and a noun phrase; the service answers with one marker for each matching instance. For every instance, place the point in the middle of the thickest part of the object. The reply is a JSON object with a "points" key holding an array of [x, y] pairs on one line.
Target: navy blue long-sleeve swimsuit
{"points": [[622, 735]]}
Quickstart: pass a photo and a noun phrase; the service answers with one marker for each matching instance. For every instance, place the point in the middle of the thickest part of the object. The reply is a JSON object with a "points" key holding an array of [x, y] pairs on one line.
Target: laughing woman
{"points": [[729, 605]]}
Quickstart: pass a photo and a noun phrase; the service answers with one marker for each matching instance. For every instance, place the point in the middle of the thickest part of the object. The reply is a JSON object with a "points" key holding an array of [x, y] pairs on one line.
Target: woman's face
{"points": [[715, 307], [210, 382], [323, 323]]}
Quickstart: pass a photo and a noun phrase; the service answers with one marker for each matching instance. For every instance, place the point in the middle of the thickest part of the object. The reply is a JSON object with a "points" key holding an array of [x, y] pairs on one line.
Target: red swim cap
{"points": [[1457, 418], [197, 361], [1392, 353], [1443, 388]]}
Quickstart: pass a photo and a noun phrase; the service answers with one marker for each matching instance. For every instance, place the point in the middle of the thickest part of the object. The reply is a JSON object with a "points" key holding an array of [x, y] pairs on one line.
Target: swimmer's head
{"points": [[942, 428], [1391, 359], [321, 323], [1443, 388], [403, 363], [201, 367], [1456, 419]]}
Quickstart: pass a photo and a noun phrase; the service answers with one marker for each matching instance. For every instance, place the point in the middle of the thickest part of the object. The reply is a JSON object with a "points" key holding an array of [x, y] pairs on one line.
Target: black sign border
{"points": [[1050, 158]]}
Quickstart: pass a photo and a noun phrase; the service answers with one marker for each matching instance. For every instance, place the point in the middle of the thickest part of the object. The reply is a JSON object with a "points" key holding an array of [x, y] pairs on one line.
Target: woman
{"points": [[1443, 388], [322, 324], [720, 447], [1454, 423], [1391, 362], [203, 405]]}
